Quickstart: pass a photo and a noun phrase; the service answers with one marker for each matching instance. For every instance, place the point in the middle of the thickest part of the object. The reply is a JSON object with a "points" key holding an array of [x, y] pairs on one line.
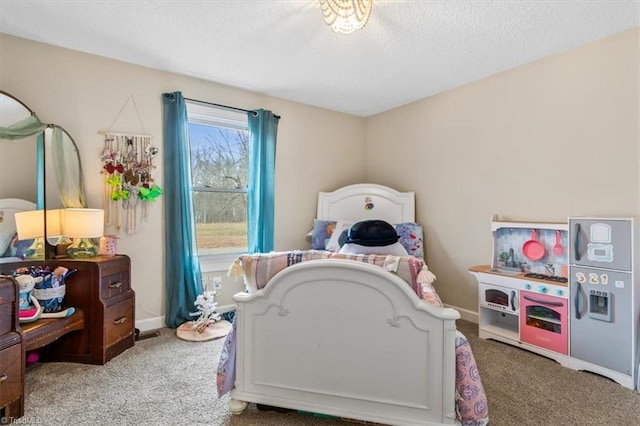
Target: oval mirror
{"points": [[38, 163], [18, 159]]}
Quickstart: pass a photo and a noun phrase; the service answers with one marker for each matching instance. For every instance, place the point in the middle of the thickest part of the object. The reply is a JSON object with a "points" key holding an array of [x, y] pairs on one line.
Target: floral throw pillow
{"points": [[17, 247], [411, 238], [322, 231]]}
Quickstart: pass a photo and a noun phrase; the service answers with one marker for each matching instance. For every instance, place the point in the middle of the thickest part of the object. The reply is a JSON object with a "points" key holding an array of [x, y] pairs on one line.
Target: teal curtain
{"points": [[183, 278], [263, 129]]}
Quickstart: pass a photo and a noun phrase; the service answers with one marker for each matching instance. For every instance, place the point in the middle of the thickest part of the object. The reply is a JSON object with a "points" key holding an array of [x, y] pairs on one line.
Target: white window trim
{"points": [[204, 114], [217, 262]]}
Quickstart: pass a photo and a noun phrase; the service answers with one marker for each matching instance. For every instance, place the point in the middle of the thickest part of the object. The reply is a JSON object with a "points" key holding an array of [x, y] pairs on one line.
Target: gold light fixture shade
{"points": [[346, 16]]}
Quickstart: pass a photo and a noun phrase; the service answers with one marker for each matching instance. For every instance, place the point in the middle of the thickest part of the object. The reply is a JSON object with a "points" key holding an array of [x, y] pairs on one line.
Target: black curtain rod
{"points": [[224, 106]]}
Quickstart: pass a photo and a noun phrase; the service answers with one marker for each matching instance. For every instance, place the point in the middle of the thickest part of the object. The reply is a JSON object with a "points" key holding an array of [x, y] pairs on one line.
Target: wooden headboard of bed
{"points": [[366, 201]]}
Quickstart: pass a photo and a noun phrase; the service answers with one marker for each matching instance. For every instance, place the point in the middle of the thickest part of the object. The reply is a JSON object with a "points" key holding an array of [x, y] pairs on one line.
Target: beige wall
{"points": [[542, 142], [84, 94], [551, 139]]}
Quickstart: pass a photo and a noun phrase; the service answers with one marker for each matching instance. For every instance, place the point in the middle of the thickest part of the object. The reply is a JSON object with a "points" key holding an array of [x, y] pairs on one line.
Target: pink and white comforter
{"points": [[258, 269]]}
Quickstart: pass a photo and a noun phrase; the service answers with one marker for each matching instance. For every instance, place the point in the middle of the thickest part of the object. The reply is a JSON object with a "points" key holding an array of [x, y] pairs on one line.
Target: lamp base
{"points": [[82, 248], [36, 250]]}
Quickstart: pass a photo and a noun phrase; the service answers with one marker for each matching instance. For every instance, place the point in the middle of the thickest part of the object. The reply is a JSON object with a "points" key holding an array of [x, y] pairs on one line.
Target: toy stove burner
{"points": [[546, 277]]}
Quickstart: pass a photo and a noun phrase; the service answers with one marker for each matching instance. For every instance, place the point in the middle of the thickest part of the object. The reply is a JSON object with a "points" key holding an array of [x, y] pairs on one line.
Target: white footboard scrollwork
{"points": [[347, 339]]}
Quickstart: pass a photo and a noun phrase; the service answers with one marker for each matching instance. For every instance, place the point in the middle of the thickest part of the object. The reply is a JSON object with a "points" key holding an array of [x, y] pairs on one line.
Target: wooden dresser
{"points": [[11, 352], [101, 289], [101, 328]]}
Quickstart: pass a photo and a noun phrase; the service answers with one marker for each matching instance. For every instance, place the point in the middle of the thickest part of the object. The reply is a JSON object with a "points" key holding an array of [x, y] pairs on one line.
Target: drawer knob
{"points": [[115, 285], [3, 378], [120, 321]]}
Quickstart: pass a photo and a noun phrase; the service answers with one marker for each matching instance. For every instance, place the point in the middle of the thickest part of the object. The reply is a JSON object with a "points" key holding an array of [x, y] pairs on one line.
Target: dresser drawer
{"points": [[115, 284], [119, 322], [7, 314], [7, 305], [7, 290], [10, 374]]}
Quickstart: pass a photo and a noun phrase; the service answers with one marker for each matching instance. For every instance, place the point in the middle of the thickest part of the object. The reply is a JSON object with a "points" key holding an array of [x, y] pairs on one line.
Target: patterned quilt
{"points": [[258, 269]]}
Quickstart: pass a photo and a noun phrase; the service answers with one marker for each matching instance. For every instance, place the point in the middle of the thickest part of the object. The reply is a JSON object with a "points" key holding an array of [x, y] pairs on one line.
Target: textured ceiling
{"points": [[407, 51]]}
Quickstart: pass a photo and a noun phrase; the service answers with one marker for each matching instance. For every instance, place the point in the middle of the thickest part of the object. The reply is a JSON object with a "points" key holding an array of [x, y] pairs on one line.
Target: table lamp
{"points": [[30, 225], [82, 225]]}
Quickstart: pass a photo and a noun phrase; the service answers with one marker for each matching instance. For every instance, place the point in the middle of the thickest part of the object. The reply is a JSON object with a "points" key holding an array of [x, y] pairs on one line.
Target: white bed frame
{"points": [[8, 208], [347, 339]]}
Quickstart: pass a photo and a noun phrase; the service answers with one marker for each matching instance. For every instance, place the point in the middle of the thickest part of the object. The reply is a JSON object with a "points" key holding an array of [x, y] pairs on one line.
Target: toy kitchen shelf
{"points": [[523, 295], [529, 247]]}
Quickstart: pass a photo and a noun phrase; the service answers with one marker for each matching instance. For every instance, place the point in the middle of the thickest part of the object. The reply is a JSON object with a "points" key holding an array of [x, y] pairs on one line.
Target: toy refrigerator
{"points": [[605, 300]]}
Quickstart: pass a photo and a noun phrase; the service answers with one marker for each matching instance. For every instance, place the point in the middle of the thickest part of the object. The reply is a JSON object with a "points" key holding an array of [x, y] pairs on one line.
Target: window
{"points": [[219, 147]]}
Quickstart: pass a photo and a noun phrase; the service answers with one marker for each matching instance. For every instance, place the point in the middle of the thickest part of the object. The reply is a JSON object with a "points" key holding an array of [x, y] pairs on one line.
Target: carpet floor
{"points": [[167, 381]]}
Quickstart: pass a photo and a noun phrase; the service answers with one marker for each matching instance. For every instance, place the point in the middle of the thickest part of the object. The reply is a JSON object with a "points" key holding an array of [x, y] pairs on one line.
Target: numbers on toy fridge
{"points": [[593, 278]]}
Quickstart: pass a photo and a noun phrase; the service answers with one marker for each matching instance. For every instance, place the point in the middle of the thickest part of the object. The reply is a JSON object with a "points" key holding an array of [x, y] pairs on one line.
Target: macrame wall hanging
{"points": [[129, 187]]}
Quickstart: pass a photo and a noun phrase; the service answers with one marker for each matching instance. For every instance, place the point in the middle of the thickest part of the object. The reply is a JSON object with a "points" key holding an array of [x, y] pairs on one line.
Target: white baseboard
{"points": [[150, 324], [155, 323], [465, 314]]}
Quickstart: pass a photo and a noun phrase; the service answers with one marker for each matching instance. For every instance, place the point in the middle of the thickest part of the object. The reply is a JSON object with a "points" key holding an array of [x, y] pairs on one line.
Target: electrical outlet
{"points": [[217, 283]]}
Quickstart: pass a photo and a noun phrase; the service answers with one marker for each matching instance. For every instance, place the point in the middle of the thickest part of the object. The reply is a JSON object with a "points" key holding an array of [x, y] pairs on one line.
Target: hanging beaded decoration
{"points": [[129, 187], [127, 165]]}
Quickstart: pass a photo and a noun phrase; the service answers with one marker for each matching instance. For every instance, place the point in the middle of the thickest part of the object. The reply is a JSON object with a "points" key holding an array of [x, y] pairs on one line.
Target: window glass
{"points": [[219, 147]]}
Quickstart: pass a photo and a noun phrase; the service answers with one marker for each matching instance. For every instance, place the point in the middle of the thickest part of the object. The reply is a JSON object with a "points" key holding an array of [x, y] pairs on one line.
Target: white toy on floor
{"points": [[209, 324], [206, 305]]}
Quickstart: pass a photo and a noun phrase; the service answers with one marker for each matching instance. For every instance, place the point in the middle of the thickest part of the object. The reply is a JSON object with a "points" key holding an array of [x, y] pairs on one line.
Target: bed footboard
{"points": [[346, 339]]}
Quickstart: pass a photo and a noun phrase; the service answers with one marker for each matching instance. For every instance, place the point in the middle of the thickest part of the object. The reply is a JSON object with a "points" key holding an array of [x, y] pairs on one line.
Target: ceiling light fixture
{"points": [[346, 16]]}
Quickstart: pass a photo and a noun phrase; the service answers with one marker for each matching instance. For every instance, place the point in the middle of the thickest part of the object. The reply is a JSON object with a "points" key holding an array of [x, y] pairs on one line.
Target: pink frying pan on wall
{"points": [[533, 249]]}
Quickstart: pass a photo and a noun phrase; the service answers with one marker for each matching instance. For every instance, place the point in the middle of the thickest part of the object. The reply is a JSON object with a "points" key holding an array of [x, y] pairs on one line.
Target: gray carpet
{"points": [[168, 381]]}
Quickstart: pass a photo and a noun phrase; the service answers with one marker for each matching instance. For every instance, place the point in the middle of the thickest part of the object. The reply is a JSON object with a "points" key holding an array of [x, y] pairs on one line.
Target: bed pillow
{"points": [[5, 240], [326, 235], [334, 242], [322, 231], [411, 238], [395, 249], [17, 248]]}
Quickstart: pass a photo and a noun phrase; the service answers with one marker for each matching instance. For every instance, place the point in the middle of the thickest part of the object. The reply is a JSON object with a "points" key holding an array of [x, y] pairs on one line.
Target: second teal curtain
{"points": [[263, 129]]}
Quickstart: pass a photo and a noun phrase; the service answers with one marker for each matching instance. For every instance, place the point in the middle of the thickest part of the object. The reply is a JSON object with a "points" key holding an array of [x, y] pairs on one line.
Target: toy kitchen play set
{"points": [[569, 292]]}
